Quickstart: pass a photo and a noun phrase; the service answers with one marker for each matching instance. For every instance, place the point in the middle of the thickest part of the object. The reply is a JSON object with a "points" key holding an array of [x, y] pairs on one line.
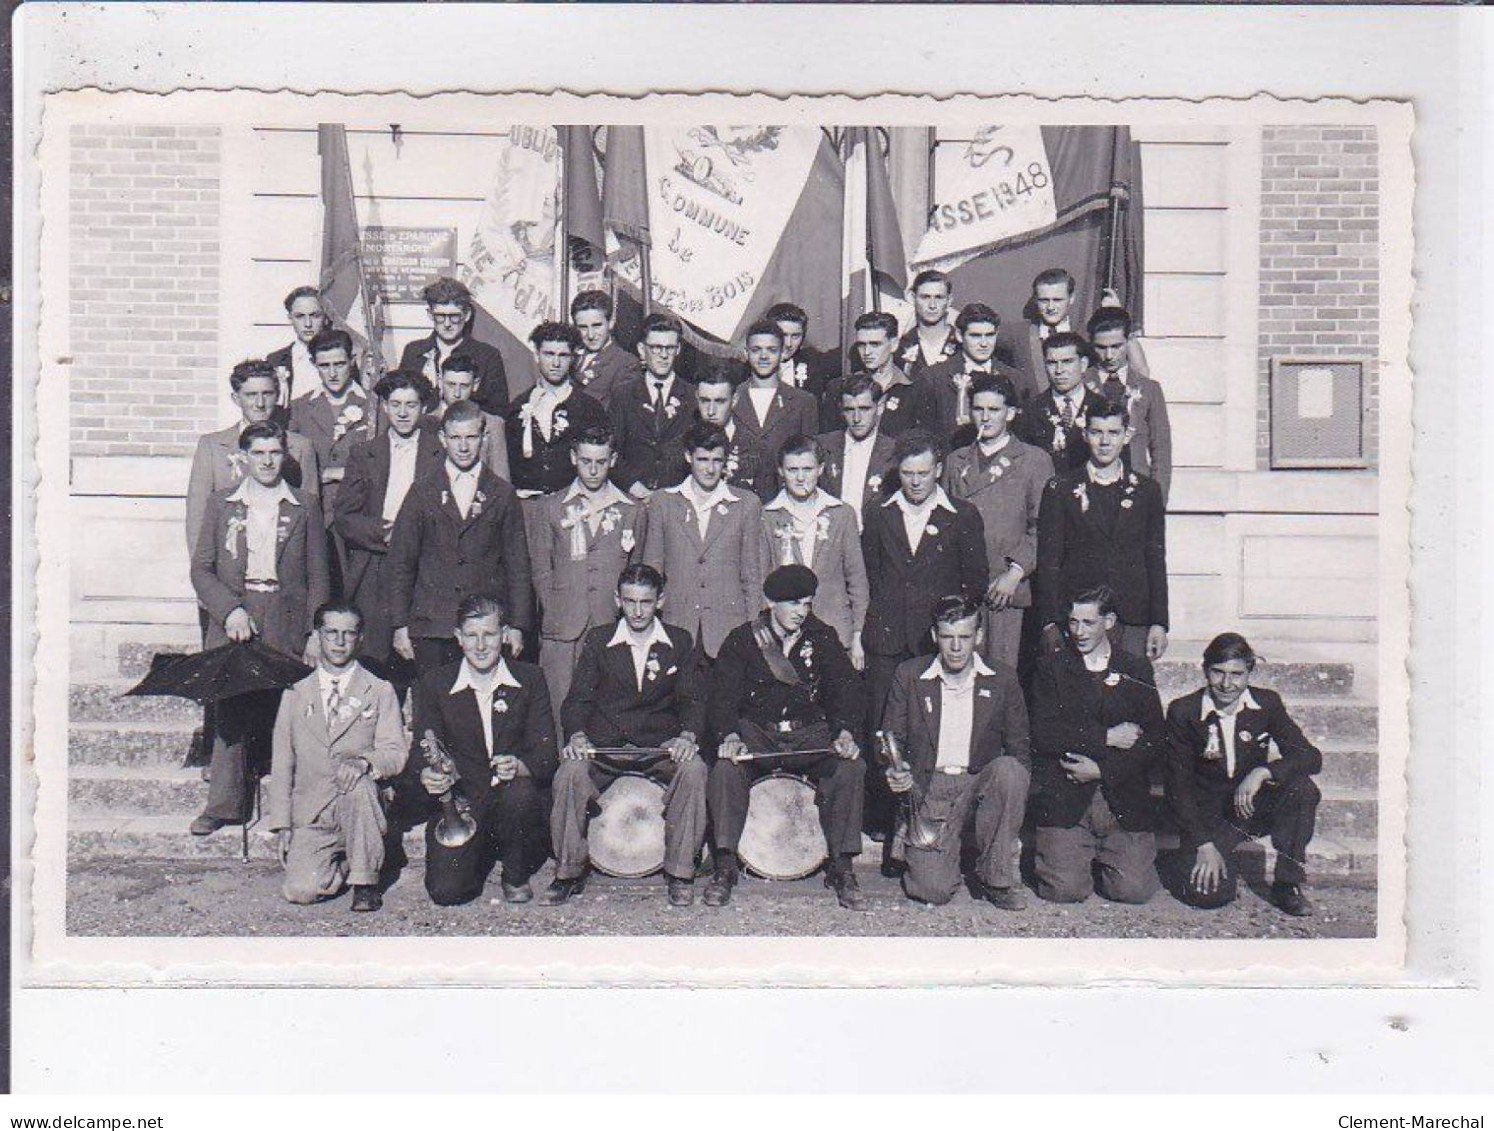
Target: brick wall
{"points": [[1320, 264], [143, 288]]}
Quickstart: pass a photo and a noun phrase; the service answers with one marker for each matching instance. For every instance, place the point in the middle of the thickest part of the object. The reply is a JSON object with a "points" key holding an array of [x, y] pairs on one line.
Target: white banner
{"points": [[719, 200], [511, 263], [988, 189]]}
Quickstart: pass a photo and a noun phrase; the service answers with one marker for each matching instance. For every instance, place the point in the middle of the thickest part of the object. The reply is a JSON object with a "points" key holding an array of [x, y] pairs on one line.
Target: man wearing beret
{"points": [[783, 682]]}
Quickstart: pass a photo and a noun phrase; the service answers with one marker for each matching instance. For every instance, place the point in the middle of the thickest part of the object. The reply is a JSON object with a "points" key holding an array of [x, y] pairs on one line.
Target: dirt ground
{"points": [[115, 897]]}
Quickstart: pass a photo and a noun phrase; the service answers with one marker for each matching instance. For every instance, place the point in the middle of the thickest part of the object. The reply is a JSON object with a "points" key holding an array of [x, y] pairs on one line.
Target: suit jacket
{"points": [[881, 473], [908, 403], [221, 555], [1199, 786], [1038, 424], [577, 593], [305, 748], [492, 393], [603, 373], [715, 582], [605, 702], [810, 371], [1076, 552], [910, 353], [841, 598], [1027, 362], [548, 468], [217, 465], [1008, 497], [914, 712], [358, 519], [1150, 449], [648, 440], [1072, 709], [946, 398], [436, 557], [523, 726], [825, 685], [791, 412], [334, 433], [283, 361], [905, 586]]}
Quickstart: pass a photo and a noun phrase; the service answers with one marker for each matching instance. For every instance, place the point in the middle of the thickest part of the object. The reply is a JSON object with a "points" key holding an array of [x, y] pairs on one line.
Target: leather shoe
{"points": [[517, 893], [206, 826], [1008, 899], [561, 890], [847, 890], [723, 879], [681, 892], [1289, 898], [366, 897]]}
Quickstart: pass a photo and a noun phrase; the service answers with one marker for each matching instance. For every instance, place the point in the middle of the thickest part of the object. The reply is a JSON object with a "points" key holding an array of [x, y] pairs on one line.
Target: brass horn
{"points": [[456, 826], [919, 830]]}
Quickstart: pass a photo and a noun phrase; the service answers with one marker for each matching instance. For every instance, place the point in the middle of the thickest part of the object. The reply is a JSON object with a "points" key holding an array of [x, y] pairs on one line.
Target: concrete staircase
{"points": [[129, 794]]}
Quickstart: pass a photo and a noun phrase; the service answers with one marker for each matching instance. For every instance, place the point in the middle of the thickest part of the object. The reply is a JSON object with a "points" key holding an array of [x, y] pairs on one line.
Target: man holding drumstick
{"points": [[783, 683]]}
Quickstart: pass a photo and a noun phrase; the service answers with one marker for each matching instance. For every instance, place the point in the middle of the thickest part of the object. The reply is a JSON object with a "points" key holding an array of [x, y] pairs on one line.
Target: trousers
{"points": [[345, 845], [1067, 858], [578, 784], [1286, 813], [990, 804], [510, 831], [557, 659], [1003, 636]]}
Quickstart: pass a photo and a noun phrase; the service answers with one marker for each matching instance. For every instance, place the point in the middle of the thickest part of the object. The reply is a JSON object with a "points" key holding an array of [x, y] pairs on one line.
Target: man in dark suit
{"points": [[293, 365], [783, 682], [932, 340], [604, 366], [635, 685], [951, 379], [495, 723], [906, 402], [378, 477], [1097, 732], [1224, 788], [1149, 449], [767, 412], [335, 415], [651, 413], [459, 532], [964, 726], [858, 457], [800, 366], [450, 305], [1105, 525], [1051, 311], [1055, 420], [460, 382]]}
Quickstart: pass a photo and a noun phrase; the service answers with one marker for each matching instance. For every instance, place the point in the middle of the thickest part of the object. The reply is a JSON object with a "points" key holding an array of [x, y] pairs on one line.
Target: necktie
{"points": [[1115, 390], [334, 702], [656, 393]]}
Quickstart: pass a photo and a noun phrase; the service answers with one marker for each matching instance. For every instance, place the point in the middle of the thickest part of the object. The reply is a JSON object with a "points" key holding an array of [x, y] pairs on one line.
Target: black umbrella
{"points": [[223, 672]]}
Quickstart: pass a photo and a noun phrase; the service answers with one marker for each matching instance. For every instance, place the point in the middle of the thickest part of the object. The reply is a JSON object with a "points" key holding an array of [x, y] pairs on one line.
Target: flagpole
{"points": [[871, 260], [565, 223], [375, 332], [1119, 194]]}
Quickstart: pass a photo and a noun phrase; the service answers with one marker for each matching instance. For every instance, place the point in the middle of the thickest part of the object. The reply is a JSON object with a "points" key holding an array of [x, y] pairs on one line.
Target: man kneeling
{"points": [[337, 733], [964, 725], [634, 686]]}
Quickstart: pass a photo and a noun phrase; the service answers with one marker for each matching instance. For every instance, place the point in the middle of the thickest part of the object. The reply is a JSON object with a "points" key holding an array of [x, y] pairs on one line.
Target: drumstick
{"points": [[756, 755], [624, 751]]}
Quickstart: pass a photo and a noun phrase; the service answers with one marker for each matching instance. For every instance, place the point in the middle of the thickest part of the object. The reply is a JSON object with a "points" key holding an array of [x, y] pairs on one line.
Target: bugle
{"points": [[920, 831], [456, 826]]}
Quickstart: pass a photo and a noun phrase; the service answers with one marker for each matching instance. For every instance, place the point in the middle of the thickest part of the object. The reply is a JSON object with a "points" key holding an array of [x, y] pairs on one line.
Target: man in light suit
{"points": [[338, 733], [586, 534], [1051, 311], [808, 526], [1149, 449], [460, 382], [292, 364], [1003, 478], [715, 403], [963, 726], [450, 305], [858, 457], [767, 411], [707, 540], [604, 366]]}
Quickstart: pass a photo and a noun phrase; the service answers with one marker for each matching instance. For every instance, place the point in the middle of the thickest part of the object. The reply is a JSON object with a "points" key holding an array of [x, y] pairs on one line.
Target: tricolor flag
{"points": [[874, 272], [349, 300]]}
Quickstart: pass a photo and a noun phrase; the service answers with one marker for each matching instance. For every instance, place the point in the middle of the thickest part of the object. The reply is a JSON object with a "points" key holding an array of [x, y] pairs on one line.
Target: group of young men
{"points": [[781, 564]]}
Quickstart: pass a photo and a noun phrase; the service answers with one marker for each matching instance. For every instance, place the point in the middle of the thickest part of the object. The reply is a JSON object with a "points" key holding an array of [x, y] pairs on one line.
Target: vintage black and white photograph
{"points": [[561, 519]]}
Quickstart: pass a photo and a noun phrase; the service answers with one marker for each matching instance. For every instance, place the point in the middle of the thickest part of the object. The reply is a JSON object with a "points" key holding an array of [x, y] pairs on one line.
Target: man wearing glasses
{"points": [[651, 413], [450, 305]]}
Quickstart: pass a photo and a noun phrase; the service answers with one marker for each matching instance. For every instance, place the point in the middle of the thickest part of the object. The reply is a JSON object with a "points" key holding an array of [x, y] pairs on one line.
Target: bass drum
{"points": [[627, 837], [782, 838]]}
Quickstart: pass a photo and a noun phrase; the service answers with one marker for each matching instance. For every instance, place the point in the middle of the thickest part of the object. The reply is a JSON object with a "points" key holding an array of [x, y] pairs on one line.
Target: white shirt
{"points": [[1063, 327], [403, 451], [990, 448], [956, 711], [485, 686], [762, 400], [805, 518], [327, 680], [1074, 396], [854, 469], [662, 385], [463, 485], [1227, 723], [639, 645], [916, 518], [1099, 659], [304, 372], [260, 535], [703, 505], [541, 405]]}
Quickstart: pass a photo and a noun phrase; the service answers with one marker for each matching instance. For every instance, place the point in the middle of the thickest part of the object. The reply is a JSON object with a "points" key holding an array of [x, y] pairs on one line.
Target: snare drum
{"points": [[627, 837], [782, 838]]}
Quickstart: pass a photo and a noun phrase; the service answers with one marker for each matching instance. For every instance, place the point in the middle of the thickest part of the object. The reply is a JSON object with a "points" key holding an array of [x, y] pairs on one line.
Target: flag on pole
{"points": [[343, 282], [874, 270]]}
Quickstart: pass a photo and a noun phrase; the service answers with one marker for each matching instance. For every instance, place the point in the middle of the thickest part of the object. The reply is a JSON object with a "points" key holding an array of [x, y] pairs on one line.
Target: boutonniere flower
{"points": [[283, 529], [1126, 504], [500, 706], [873, 484], [892, 403], [445, 498], [1080, 423], [347, 419], [722, 509], [628, 541], [237, 524], [996, 472], [785, 535], [806, 653], [671, 406], [651, 668], [610, 518], [1113, 679], [910, 354], [1262, 738], [1004, 462], [477, 502], [237, 461], [822, 528], [1081, 492], [931, 530], [282, 372], [558, 424], [1244, 736], [1212, 751], [798, 374], [1131, 482], [310, 710], [733, 460]]}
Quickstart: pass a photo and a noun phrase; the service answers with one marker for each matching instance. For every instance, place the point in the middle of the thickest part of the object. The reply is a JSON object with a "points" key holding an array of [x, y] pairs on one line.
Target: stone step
{"points": [[1293, 680], [136, 790], [107, 702], [165, 837], [1352, 860], [1326, 721], [1349, 765], [129, 742]]}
